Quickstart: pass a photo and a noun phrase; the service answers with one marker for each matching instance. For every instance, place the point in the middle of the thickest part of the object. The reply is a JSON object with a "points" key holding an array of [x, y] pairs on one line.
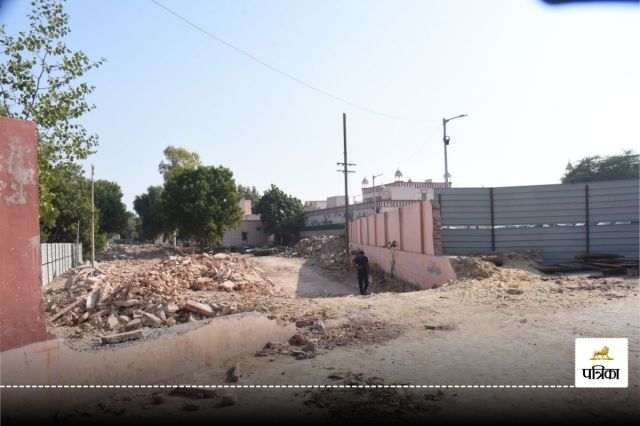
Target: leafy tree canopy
{"points": [[41, 80], [148, 207], [281, 214], [110, 208], [201, 203], [177, 160], [597, 168], [73, 202]]}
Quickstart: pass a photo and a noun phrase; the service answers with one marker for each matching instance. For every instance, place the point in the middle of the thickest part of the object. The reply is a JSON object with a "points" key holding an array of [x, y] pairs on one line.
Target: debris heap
{"points": [[127, 295], [327, 251]]}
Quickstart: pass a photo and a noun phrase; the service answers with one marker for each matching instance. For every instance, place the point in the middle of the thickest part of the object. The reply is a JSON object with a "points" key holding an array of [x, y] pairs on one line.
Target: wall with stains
{"points": [[22, 319]]}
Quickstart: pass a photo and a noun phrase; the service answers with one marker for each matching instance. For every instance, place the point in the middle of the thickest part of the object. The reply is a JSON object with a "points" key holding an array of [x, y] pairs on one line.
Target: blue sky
{"points": [[542, 85]]}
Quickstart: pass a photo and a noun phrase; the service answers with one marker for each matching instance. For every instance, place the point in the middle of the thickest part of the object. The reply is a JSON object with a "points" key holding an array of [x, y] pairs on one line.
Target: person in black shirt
{"points": [[362, 265]]}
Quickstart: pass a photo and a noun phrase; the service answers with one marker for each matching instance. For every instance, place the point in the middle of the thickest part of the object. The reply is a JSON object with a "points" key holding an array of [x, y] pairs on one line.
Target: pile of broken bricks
{"points": [[327, 251], [126, 296]]}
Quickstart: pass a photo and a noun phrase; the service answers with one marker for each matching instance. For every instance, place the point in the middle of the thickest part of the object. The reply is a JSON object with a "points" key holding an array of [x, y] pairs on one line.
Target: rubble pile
{"points": [[314, 335], [126, 296], [467, 267], [327, 251]]}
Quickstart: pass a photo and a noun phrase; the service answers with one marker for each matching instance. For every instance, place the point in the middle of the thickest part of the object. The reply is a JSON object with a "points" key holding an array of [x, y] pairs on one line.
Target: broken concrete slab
{"points": [[151, 320], [199, 308], [126, 303], [121, 337], [133, 324]]}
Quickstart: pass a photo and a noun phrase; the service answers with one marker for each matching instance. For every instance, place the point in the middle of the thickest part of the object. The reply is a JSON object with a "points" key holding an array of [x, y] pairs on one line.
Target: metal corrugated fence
{"points": [[560, 220], [58, 258]]}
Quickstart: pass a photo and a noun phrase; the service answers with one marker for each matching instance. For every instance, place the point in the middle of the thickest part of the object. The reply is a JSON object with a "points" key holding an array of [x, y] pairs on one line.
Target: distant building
{"points": [[249, 233], [387, 196], [315, 205]]}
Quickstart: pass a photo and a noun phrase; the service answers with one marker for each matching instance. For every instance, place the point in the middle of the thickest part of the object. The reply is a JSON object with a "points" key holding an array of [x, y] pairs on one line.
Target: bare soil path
{"points": [[514, 327]]}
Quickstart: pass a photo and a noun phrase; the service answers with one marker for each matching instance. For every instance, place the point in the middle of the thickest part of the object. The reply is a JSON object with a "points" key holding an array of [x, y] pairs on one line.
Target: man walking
{"points": [[362, 265]]}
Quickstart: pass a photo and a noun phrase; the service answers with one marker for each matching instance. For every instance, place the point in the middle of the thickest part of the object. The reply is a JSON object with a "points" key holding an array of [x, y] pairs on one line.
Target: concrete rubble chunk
{"points": [[92, 300], [151, 320], [126, 303], [319, 327], [112, 321], [121, 337], [83, 318], [68, 283], [133, 324], [124, 319], [227, 285], [199, 308], [171, 308]]}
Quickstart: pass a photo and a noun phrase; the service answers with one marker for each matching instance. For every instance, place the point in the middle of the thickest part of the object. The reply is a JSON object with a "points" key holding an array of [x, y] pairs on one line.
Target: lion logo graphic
{"points": [[602, 354]]}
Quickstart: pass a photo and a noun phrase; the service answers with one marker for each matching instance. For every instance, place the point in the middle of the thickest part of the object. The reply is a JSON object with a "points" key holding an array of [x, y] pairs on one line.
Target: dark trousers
{"points": [[363, 280]]}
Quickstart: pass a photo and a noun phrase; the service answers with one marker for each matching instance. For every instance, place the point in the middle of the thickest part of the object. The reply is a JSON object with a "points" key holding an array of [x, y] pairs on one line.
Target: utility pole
{"points": [[93, 221], [446, 139], [346, 172], [375, 202]]}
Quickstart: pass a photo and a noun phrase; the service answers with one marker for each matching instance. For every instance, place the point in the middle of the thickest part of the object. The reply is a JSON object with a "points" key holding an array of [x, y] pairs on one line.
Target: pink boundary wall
{"points": [[413, 259]]}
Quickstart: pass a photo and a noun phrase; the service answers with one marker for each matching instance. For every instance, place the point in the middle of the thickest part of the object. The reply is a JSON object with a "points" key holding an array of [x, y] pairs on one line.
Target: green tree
{"points": [[201, 203], [177, 160], [249, 193], [110, 208], [132, 225], [40, 80], [597, 168], [148, 207], [281, 214], [73, 204]]}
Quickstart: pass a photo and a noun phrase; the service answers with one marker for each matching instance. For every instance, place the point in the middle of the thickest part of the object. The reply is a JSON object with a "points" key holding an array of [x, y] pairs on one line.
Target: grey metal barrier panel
{"points": [[561, 220], [57, 258]]}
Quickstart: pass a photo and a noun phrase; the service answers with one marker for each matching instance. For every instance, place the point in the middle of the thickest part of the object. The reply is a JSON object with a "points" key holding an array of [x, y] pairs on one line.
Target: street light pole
{"points": [[446, 139], [375, 202]]}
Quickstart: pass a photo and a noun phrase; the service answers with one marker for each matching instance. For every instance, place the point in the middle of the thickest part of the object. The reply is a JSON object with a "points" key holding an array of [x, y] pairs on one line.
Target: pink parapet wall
{"points": [[22, 319], [412, 259]]}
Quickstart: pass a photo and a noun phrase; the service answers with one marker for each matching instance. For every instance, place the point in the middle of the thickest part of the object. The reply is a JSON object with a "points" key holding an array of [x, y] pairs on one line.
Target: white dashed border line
{"points": [[288, 386]]}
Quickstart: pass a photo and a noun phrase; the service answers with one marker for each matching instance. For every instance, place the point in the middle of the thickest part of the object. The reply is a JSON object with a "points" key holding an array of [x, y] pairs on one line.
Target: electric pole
{"points": [[346, 172], [93, 221], [375, 201]]}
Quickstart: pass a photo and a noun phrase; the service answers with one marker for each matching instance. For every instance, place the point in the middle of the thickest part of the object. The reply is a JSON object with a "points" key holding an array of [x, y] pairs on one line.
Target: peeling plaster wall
{"points": [[22, 319]]}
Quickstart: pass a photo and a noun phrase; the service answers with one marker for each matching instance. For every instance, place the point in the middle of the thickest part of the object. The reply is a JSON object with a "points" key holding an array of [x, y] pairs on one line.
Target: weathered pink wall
{"points": [[413, 257], [381, 238], [423, 270], [371, 230], [427, 229], [393, 226], [412, 228], [22, 319]]}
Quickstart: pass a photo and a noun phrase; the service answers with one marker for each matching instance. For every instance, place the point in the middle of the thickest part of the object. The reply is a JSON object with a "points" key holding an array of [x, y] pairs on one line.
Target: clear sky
{"points": [[542, 85]]}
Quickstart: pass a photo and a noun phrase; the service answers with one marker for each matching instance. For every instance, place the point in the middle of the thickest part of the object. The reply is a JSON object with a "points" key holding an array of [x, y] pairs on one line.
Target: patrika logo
{"points": [[601, 354], [606, 367]]}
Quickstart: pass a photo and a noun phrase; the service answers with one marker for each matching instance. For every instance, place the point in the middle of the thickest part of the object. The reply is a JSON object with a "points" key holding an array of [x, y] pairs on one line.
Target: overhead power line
{"points": [[281, 72]]}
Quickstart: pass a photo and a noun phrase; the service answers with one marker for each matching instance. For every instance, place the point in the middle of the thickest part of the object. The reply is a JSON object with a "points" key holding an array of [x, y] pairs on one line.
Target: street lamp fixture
{"points": [[446, 140]]}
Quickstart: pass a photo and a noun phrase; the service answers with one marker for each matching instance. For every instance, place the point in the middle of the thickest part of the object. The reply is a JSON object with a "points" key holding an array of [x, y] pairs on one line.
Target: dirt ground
{"points": [[494, 326]]}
